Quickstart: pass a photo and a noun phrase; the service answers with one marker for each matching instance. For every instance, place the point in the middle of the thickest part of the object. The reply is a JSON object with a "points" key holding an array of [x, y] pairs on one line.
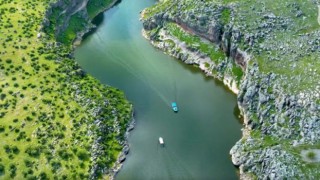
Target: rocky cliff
{"points": [[69, 20], [276, 45]]}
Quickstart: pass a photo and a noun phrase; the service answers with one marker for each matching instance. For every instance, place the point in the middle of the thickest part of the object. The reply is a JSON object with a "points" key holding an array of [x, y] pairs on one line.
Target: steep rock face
{"points": [[279, 103], [70, 20], [208, 26], [68, 8], [59, 13]]}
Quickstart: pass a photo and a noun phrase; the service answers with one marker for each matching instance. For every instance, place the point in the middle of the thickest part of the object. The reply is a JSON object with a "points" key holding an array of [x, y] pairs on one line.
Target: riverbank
{"points": [[52, 112], [190, 57], [281, 112]]}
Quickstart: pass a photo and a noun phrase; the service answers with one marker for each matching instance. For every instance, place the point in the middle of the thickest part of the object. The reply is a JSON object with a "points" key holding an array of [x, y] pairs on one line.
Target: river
{"points": [[197, 138]]}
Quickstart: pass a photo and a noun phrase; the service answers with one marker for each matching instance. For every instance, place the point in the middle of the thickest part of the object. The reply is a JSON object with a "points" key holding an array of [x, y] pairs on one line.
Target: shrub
{"points": [[15, 150], [28, 163], [2, 169], [13, 170], [311, 155], [43, 176], [2, 128], [55, 165], [83, 155], [33, 151], [9, 61], [3, 96]]}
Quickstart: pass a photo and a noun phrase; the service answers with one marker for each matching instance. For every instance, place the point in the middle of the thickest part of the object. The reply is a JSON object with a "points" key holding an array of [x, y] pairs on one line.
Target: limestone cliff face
{"points": [[64, 10], [70, 20], [208, 27], [281, 112], [59, 13]]}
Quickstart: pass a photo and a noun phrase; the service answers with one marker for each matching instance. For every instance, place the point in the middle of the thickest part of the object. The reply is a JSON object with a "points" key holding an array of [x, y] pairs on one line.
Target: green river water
{"points": [[197, 138]]}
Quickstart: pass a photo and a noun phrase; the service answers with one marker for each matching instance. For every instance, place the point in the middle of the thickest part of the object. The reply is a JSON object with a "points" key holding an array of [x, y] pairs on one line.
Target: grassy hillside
{"points": [[56, 122]]}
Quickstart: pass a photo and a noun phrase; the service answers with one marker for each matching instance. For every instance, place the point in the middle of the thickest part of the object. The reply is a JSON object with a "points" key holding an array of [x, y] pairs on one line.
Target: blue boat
{"points": [[174, 106]]}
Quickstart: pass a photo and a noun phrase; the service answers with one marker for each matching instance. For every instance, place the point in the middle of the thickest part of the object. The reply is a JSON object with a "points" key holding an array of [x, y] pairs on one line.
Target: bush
{"points": [[311, 155], [2, 128], [13, 170], [33, 151], [2, 169], [9, 61], [43, 176], [55, 165], [15, 150], [83, 155], [64, 155]]}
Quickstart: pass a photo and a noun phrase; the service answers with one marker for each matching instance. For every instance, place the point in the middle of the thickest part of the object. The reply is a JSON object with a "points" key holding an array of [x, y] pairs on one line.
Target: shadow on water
{"points": [[196, 70], [237, 114], [97, 21]]}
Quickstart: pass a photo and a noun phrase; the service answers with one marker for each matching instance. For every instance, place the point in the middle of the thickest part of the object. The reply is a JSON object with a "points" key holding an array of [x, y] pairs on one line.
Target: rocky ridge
{"points": [[279, 91]]}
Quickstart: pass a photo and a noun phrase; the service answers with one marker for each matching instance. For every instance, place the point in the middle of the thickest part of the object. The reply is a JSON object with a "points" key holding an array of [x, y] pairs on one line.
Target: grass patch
{"points": [[237, 72], [94, 6], [196, 42], [311, 155], [76, 24], [225, 16]]}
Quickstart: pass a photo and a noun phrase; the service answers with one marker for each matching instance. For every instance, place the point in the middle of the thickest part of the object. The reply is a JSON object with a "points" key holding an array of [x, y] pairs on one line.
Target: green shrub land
{"points": [[56, 122]]}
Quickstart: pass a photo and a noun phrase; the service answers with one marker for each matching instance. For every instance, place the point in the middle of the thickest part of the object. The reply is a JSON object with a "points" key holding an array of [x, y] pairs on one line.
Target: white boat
{"points": [[161, 141]]}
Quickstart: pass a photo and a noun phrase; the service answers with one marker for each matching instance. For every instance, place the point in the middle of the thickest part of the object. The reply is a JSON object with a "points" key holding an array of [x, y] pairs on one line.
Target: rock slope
{"points": [[268, 53]]}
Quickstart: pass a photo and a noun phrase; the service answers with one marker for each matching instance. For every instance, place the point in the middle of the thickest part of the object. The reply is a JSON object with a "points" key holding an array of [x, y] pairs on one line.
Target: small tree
{"points": [[2, 169], [311, 155]]}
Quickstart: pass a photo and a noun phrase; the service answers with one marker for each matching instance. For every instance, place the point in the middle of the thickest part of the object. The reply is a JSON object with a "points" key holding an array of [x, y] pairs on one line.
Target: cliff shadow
{"points": [[99, 19]]}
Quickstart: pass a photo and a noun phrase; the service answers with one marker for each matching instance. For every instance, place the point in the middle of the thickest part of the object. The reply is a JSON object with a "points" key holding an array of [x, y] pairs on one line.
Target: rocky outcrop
{"points": [[64, 10], [59, 13], [208, 27], [71, 16], [279, 104]]}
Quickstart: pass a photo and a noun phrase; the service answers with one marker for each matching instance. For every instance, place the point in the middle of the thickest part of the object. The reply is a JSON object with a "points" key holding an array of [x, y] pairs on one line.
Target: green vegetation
{"points": [[225, 16], [238, 73], [49, 107], [64, 27], [157, 8], [299, 65], [76, 24], [94, 6], [196, 42], [311, 155]]}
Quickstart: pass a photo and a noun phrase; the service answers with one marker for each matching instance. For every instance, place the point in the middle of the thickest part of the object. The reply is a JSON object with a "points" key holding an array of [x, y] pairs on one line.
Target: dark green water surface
{"points": [[197, 138]]}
